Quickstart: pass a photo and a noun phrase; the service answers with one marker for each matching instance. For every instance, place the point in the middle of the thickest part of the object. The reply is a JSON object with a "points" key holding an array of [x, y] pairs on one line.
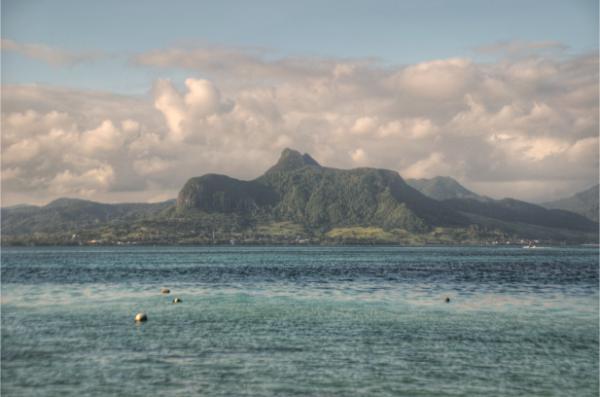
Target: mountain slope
{"points": [[220, 193], [442, 188], [583, 203]]}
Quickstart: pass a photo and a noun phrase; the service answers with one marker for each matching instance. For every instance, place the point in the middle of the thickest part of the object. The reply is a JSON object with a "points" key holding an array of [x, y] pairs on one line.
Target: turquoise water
{"points": [[308, 321]]}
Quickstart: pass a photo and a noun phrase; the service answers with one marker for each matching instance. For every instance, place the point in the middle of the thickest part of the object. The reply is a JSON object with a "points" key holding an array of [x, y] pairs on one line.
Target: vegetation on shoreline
{"points": [[211, 231]]}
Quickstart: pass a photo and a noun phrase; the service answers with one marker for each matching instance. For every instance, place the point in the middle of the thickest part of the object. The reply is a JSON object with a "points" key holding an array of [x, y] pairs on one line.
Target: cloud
{"points": [[359, 157], [531, 121], [439, 79], [151, 166], [213, 60], [185, 112], [104, 138], [518, 48], [85, 184], [21, 151], [50, 55], [412, 128], [364, 125], [202, 98], [431, 165], [170, 104]]}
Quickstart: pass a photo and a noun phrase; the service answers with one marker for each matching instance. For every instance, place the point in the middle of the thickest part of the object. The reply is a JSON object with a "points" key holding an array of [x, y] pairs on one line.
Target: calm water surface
{"points": [[309, 321]]}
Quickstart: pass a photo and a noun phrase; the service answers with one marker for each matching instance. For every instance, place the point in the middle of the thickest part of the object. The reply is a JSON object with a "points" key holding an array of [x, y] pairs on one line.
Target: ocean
{"points": [[300, 321]]}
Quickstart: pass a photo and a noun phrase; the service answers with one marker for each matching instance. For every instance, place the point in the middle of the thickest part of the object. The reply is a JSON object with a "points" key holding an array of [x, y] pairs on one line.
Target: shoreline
{"points": [[308, 245]]}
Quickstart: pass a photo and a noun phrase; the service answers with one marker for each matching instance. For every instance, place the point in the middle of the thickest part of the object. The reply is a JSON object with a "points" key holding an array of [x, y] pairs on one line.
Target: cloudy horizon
{"points": [[507, 117]]}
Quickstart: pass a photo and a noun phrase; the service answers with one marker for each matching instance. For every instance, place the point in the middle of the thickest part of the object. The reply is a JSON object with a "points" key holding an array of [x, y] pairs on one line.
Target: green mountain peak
{"points": [[291, 159]]}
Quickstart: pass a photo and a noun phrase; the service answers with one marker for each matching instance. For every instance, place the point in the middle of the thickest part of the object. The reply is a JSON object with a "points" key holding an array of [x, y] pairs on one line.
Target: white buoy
{"points": [[165, 291], [140, 317], [177, 300]]}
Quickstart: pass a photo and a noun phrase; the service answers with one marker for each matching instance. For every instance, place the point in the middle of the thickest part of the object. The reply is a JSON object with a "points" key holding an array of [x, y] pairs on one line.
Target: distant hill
{"points": [[67, 214], [583, 203], [520, 212], [297, 199], [17, 206], [443, 188]]}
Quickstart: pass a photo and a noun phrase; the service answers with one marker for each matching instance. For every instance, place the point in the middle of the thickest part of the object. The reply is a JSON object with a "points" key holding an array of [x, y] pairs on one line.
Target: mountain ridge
{"points": [[443, 188], [584, 203], [298, 199], [298, 188]]}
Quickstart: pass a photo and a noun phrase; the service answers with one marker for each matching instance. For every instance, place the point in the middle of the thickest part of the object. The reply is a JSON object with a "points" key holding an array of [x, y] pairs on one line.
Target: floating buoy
{"points": [[165, 291], [177, 300], [140, 317], [447, 300]]}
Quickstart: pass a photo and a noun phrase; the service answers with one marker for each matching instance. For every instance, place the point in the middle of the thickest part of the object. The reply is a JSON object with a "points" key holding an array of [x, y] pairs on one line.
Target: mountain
{"points": [[298, 189], [297, 199], [443, 188], [583, 203]]}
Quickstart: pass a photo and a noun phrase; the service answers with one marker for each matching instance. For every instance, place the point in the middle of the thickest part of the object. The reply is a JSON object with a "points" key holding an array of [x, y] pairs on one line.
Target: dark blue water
{"points": [[310, 321]]}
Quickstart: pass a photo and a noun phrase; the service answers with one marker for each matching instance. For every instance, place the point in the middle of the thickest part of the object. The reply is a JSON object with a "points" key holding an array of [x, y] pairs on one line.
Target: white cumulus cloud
{"points": [[519, 119]]}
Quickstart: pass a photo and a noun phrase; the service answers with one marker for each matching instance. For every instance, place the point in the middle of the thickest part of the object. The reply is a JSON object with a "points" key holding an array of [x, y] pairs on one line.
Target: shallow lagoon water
{"points": [[300, 321]]}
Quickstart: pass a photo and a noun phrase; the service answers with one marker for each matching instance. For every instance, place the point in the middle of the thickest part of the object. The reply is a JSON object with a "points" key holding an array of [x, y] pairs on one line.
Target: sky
{"points": [[125, 100]]}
